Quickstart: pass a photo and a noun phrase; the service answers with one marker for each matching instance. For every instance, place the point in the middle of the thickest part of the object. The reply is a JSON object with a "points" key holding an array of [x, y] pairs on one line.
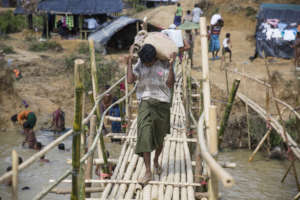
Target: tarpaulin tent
{"points": [[80, 7], [118, 33], [276, 29]]}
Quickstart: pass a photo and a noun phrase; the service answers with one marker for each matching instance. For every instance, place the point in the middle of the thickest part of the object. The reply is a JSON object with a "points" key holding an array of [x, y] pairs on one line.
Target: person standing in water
{"points": [[27, 119]]}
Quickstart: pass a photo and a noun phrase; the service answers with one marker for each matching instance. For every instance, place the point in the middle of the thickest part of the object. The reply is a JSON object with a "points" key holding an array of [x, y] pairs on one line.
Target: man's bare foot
{"points": [[146, 178]]}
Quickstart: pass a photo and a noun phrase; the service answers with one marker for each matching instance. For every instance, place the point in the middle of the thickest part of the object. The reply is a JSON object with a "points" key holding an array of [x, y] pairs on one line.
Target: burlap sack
{"points": [[163, 44]]}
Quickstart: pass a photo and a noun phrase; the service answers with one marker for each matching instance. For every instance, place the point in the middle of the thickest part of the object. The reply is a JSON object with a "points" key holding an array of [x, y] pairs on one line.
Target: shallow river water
{"points": [[259, 180]]}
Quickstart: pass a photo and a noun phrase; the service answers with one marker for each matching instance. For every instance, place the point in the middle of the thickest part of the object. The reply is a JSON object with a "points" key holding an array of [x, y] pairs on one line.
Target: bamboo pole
{"points": [[213, 190], [77, 130], [287, 171], [126, 102], [226, 80], [88, 190], [222, 175], [282, 122], [205, 67], [274, 123], [15, 163], [295, 175], [96, 92], [250, 77], [136, 174], [89, 168], [297, 196], [248, 126], [260, 144], [231, 98]]}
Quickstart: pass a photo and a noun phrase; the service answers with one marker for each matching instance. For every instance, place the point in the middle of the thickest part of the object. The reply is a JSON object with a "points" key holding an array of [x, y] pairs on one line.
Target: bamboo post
{"points": [[205, 67], [126, 103], [89, 168], [248, 126], [260, 144], [288, 170], [95, 93], [77, 130], [82, 141], [231, 98], [189, 95], [213, 190], [15, 163], [297, 196], [226, 79], [296, 176], [268, 115], [47, 27], [80, 25]]}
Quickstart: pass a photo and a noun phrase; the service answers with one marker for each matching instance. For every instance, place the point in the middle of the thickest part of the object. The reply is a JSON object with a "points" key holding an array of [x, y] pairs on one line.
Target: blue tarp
{"points": [[80, 7], [5, 3], [103, 35]]}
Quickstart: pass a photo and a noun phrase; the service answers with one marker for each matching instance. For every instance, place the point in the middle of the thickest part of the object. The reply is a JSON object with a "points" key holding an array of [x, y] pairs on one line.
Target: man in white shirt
{"points": [[92, 23], [196, 13]]}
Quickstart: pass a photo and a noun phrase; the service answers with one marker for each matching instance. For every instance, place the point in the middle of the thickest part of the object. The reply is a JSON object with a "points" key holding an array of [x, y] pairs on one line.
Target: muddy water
{"points": [[37, 175], [259, 180]]}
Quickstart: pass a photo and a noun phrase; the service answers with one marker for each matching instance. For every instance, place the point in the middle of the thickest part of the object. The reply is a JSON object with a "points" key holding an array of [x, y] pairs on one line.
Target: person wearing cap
{"points": [[156, 79]]}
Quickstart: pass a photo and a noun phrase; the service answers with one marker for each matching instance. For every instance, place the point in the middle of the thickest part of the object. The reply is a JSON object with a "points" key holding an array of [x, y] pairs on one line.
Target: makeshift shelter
{"points": [[80, 7], [119, 33], [277, 25]]}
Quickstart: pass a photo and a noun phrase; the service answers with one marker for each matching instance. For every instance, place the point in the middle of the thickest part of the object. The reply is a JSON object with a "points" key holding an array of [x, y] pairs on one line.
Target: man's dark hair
{"points": [[39, 145], [147, 53], [9, 168], [20, 160], [178, 4], [228, 35], [188, 12], [14, 118]]}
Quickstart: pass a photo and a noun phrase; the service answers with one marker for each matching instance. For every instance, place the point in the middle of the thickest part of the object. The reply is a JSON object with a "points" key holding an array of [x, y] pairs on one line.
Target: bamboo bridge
{"points": [[181, 176]]}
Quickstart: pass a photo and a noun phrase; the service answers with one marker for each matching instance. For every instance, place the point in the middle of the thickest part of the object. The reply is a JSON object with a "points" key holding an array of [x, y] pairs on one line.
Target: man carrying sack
{"points": [[155, 80]]}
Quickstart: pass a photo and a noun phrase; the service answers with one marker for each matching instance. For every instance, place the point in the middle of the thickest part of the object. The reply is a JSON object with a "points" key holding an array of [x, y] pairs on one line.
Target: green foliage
{"points": [[292, 127], [45, 46], [140, 8], [83, 48], [69, 62], [10, 23], [250, 11], [108, 72], [258, 129], [7, 49]]}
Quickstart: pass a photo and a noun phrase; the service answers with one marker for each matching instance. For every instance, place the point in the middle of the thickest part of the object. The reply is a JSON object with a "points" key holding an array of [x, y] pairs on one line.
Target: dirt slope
{"points": [[242, 28]]}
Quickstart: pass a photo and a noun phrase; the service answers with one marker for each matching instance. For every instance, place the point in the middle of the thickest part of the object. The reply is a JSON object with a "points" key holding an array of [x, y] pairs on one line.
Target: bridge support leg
{"points": [[213, 189], [101, 145], [76, 141]]}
